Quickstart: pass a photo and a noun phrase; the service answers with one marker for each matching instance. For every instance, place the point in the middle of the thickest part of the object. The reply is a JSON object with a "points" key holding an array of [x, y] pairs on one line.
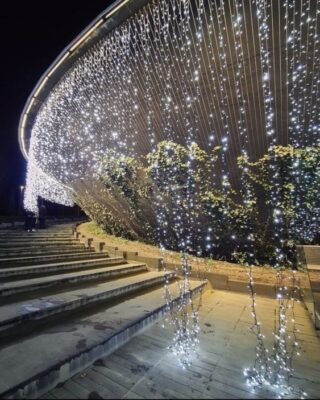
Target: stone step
{"points": [[44, 259], [14, 253], [69, 239], [9, 244], [18, 313], [25, 234], [49, 231], [9, 238], [58, 268], [66, 231], [72, 345], [41, 249], [35, 244], [34, 284], [34, 235]]}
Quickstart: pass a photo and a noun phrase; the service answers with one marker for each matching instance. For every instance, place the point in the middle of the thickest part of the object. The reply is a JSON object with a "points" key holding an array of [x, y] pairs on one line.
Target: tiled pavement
{"points": [[145, 368]]}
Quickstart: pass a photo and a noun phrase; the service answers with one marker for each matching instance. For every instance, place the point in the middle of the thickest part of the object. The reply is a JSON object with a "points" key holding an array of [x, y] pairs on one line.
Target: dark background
{"points": [[33, 33]]}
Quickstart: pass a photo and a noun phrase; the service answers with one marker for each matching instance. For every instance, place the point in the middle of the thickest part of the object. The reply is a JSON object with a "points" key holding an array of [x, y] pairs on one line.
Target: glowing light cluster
{"points": [[273, 367], [200, 73], [42, 184], [99, 102]]}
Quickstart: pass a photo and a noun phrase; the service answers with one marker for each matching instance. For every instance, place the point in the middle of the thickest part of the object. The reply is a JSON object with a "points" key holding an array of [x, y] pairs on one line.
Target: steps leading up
{"points": [[63, 306], [67, 348], [36, 309], [42, 245], [45, 259], [58, 268], [38, 234], [17, 287], [63, 229], [44, 251], [37, 241]]}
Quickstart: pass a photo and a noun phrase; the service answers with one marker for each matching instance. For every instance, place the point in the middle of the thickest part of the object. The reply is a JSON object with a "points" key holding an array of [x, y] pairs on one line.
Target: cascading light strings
{"points": [[258, 374], [192, 72], [90, 92]]}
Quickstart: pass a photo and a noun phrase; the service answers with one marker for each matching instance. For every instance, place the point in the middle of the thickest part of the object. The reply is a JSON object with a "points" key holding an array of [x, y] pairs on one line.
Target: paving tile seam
{"points": [[143, 377]]}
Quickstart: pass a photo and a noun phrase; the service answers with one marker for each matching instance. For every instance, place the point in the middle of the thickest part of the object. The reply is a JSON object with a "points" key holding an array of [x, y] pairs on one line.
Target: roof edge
{"points": [[109, 19]]}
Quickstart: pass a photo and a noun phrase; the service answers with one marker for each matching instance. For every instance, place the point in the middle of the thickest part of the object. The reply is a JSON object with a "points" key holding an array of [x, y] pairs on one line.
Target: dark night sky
{"points": [[33, 33]]}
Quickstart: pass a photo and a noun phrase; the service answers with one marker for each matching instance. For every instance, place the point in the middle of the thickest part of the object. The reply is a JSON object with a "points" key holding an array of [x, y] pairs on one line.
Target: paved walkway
{"points": [[144, 368]]}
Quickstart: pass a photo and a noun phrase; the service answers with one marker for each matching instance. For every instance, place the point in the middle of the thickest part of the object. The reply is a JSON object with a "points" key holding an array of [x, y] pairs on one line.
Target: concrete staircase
{"points": [[64, 305]]}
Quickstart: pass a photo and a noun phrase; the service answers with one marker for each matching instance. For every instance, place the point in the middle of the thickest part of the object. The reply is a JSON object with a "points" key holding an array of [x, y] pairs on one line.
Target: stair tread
{"points": [[40, 249], [56, 345], [36, 241], [49, 231], [65, 276], [90, 254], [44, 244], [59, 264], [34, 234], [59, 249], [17, 309], [25, 238], [41, 238], [43, 252]]}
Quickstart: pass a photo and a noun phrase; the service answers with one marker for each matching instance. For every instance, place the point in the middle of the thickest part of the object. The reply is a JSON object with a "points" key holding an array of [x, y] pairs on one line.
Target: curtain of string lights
{"points": [[246, 88], [243, 75]]}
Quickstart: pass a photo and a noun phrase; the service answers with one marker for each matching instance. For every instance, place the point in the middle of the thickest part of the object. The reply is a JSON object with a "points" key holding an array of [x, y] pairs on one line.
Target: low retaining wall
{"points": [[216, 280]]}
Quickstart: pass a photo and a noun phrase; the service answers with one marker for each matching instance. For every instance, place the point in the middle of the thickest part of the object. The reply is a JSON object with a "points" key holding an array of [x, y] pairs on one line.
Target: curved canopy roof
{"points": [[102, 25], [242, 75]]}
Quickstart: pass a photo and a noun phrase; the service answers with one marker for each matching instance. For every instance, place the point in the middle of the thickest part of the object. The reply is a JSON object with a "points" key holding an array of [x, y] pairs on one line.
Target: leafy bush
{"points": [[172, 196]]}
